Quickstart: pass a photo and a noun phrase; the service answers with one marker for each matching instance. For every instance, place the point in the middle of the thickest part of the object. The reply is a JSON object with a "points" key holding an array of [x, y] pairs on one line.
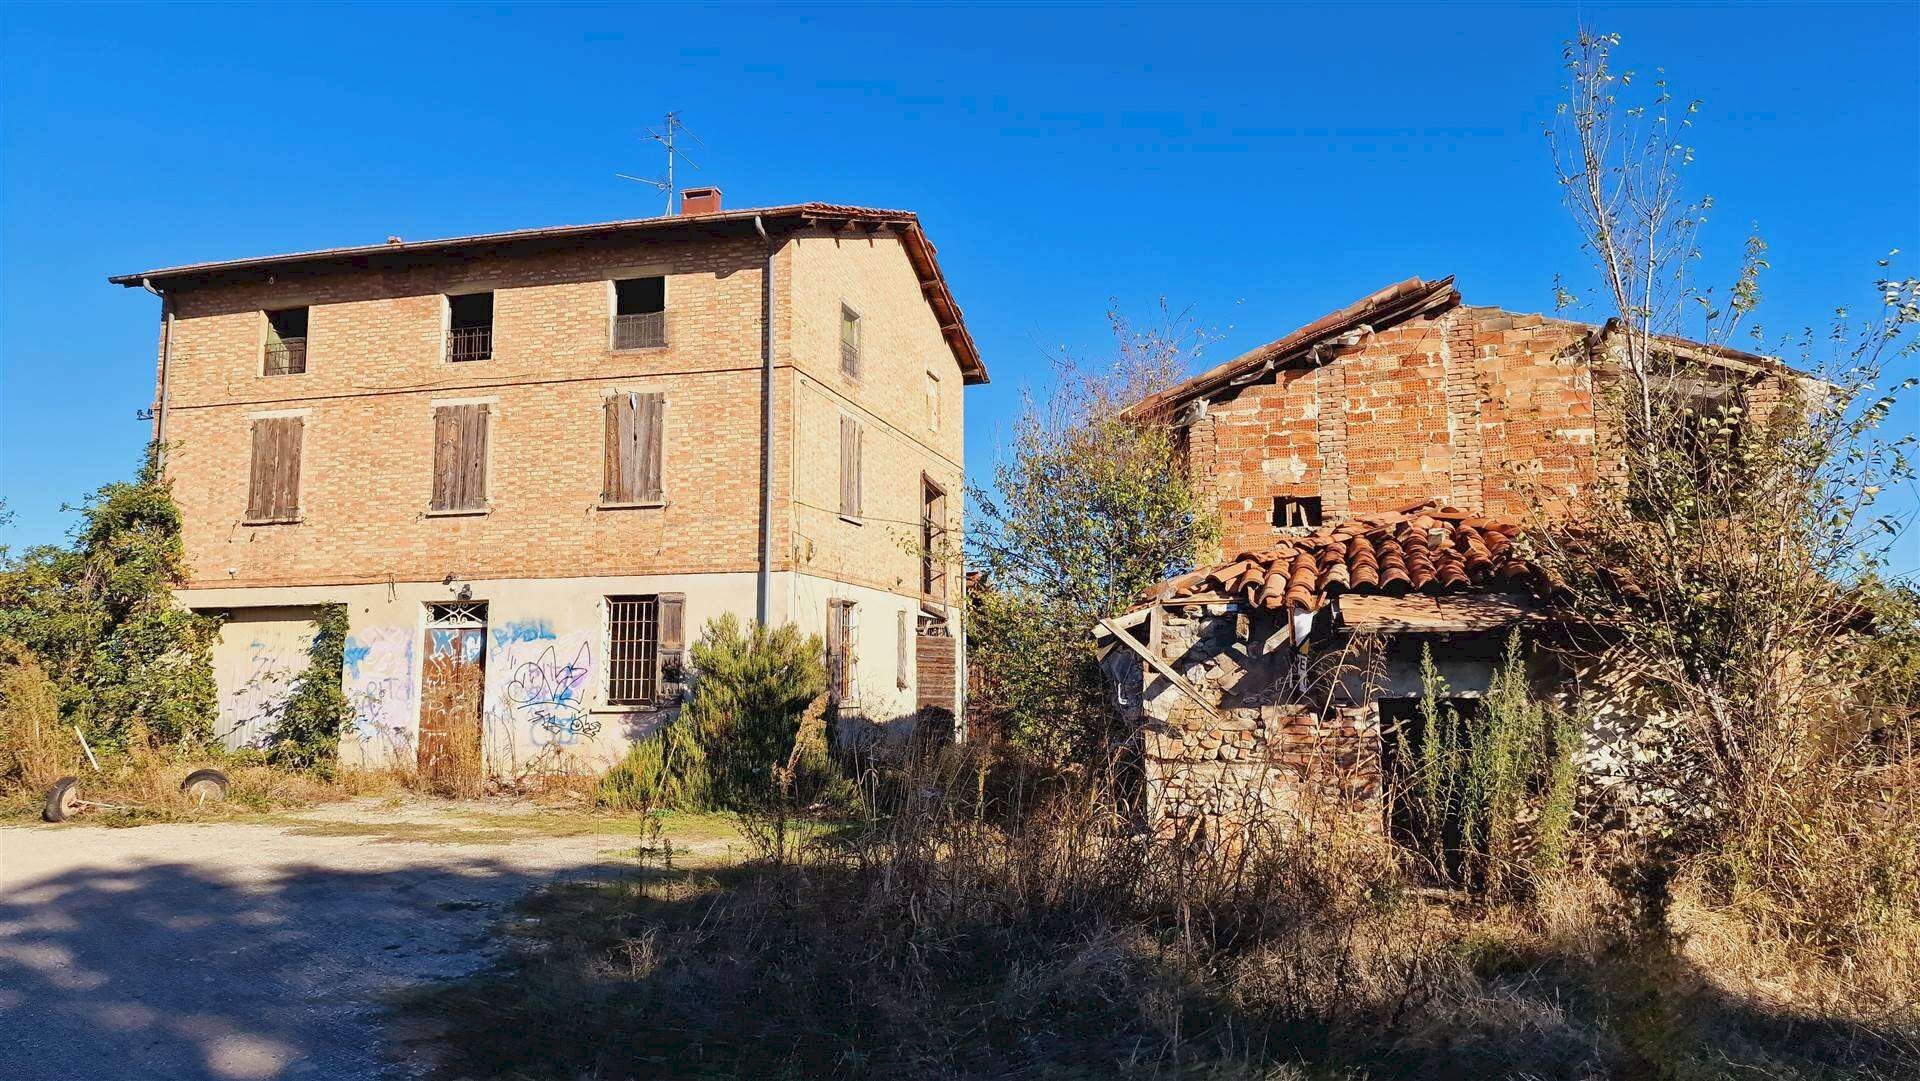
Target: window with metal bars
{"points": [[633, 650], [470, 327], [286, 348]]}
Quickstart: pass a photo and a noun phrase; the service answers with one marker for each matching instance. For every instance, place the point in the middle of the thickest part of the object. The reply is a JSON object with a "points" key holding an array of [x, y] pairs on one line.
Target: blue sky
{"points": [[1261, 164]]}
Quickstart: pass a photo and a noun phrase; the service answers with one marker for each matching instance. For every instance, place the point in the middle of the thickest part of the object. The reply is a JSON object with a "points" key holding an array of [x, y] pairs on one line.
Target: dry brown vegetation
{"points": [[1039, 932]]}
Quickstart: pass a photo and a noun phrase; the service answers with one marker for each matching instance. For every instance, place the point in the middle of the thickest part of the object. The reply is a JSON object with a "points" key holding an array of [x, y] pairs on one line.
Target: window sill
{"points": [[467, 512], [852, 519], [637, 348], [645, 504], [620, 709], [271, 521]]}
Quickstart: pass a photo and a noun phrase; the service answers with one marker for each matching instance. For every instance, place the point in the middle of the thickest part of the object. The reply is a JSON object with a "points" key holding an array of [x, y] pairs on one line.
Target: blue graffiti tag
{"points": [[551, 696]]}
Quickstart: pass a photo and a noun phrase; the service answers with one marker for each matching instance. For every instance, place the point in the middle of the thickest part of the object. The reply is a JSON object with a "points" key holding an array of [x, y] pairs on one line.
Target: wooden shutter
{"points": [[903, 656], [850, 465], [836, 651], [670, 656], [634, 448], [460, 457], [273, 486]]}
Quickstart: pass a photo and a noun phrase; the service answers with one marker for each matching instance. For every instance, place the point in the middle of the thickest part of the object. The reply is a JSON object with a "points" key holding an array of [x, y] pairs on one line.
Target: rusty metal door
{"points": [[452, 691]]}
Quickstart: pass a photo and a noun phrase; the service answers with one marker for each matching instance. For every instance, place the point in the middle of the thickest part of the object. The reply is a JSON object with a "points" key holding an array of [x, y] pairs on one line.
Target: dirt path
{"points": [[242, 951]]}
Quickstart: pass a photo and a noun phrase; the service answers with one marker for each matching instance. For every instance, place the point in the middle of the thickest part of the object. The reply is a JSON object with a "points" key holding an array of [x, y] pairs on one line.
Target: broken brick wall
{"points": [[1481, 408], [1246, 749]]}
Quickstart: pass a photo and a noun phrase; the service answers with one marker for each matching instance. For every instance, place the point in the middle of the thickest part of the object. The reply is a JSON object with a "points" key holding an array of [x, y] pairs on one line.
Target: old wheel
{"points": [[63, 800], [204, 786]]}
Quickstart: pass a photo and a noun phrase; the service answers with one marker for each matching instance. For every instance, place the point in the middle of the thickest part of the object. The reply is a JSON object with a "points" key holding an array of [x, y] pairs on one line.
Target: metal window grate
{"points": [[287, 356], [633, 640], [470, 343], [642, 330], [457, 614]]}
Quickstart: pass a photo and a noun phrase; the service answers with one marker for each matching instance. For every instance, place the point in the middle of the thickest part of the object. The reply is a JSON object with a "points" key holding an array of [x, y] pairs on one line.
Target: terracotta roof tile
{"points": [[1426, 548]]}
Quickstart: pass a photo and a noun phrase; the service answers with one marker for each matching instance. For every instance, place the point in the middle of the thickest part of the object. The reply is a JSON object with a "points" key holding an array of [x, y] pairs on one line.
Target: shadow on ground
{"points": [[164, 970]]}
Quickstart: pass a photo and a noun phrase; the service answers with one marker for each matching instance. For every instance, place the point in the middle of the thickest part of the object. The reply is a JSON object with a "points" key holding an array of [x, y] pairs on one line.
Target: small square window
{"points": [[1296, 511]]}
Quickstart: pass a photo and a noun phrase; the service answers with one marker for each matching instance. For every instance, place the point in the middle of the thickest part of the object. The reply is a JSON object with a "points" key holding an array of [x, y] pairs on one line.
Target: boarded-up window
{"points": [[460, 457], [633, 449], [842, 685], [851, 438], [933, 402], [273, 487], [903, 656], [849, 342]]}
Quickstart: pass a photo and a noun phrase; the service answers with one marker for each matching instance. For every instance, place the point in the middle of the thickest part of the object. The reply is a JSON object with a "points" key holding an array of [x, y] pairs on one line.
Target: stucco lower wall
{"points": [[545, 688]]}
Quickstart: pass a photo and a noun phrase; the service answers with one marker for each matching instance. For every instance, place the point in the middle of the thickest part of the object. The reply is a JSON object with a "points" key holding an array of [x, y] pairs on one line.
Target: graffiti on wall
{"points": [[549, 695], [379, 679], [543, 687]]}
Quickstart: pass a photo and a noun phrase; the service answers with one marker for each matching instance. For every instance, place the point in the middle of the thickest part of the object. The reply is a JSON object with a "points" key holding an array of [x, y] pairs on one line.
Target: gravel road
{"points": [[229, 951]]}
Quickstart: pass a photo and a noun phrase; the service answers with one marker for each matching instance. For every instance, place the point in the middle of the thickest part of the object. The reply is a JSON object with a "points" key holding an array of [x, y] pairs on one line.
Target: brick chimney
{"points": [[699, 201]]}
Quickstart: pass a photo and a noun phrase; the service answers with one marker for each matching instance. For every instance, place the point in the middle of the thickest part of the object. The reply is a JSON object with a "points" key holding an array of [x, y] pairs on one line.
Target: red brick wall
{"points": [[1481, 408]]}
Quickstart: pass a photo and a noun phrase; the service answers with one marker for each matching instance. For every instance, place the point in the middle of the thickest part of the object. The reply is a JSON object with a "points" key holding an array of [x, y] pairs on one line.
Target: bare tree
{"points": [[1729, 555]]}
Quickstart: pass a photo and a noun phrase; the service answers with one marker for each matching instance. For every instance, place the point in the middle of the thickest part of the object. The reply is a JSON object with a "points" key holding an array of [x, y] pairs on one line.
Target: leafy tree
{"points": [[132, 667], [1088, 510]]}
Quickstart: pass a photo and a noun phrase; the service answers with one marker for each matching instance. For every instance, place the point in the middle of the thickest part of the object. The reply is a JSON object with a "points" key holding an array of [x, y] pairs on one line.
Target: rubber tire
{"points": [[63, 789], [199, 777]]}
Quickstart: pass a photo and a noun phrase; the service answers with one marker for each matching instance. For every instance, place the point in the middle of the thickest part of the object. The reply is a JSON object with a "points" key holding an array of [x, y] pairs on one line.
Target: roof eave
{"points": [[920, 253]]}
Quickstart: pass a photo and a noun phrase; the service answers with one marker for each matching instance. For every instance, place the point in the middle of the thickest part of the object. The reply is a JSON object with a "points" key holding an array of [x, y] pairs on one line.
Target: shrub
{"points": [[751, 688], [316, 710], [1489, 783]]}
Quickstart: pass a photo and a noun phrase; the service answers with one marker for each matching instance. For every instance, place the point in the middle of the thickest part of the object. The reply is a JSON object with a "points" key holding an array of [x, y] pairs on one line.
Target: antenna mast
{"points": [[667, 135]]}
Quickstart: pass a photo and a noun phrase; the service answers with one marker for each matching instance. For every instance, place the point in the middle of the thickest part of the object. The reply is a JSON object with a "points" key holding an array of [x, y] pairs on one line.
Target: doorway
{"points": [[452, 693]]}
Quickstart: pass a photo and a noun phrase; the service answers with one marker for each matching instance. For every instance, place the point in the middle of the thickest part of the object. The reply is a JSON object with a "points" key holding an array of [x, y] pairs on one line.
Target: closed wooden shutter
{"points": [[273, 486], [673, 643], [634, 448], [850, 487], [460, 457], [903, 656], [837, 635]]}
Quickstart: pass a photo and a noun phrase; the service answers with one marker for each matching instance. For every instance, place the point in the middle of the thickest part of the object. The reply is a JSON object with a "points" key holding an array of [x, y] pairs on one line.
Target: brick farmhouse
{"points": [[532, 465], [1372, 471]]}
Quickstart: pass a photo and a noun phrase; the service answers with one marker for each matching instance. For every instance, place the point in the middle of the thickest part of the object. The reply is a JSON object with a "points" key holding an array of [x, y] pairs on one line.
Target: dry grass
{"points": [[1043, 936], [147, 789]]}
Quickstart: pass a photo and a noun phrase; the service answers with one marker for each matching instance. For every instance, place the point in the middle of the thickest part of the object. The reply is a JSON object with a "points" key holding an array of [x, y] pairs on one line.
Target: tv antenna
{"points": [[667, 135]]}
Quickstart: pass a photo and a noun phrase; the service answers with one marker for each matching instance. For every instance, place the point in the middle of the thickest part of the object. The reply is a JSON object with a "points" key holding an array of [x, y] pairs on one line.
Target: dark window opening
{"points": [[633, 650], [286, 342], [470, 327], [640, 313], [933, 538], [1296, 512]]}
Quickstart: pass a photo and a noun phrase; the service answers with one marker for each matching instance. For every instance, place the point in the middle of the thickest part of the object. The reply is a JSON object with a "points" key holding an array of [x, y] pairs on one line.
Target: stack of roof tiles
{"points": [[1427, 548]]}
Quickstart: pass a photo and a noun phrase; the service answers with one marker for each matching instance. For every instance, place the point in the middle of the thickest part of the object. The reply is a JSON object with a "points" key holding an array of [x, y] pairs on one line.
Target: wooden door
{"points": [[451, 696]]}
